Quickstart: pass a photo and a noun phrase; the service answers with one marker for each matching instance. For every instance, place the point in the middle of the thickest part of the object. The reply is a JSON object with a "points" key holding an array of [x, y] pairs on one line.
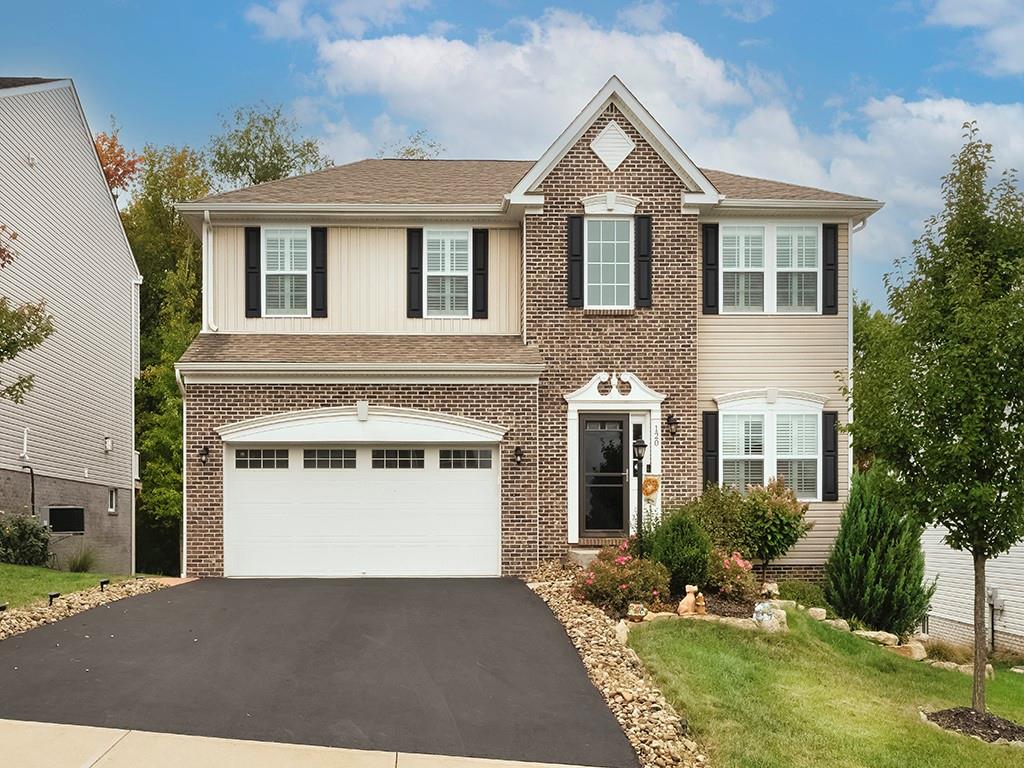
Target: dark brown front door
{"points": [[604, 478]]}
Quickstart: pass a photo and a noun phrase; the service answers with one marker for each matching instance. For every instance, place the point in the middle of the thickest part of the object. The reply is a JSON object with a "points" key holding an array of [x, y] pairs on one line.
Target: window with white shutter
{"points": [[797, 446], [742, 437], [797, 264], [448, 261], [286, 273], [743, 268]]}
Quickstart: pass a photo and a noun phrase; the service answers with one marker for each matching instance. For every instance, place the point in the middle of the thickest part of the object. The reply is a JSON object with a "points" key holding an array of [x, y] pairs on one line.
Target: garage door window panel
{"points": [[398, 458], [261, 458], [465, 458], [329, 458]]}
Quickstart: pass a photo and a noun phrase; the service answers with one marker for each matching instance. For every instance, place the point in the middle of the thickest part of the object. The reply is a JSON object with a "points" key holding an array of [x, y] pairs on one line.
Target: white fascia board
{"points": [[362, 209], [857, 208], [664, 144], [367, 373]]}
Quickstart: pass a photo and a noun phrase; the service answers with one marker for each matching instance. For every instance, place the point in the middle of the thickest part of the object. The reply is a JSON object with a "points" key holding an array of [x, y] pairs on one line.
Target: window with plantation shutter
{"points": [[742, 437], [447, 261], [286, 273], [741, 255], [797, 268], [796, 452]]}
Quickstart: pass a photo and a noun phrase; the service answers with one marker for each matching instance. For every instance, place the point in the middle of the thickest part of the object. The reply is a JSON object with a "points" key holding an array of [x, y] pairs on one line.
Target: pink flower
{"points": [[654, 592], [623, 586]]}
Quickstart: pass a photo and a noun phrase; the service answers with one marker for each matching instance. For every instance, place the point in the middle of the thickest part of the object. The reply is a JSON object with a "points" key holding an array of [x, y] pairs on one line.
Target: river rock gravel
{"points": [[656, 731]]}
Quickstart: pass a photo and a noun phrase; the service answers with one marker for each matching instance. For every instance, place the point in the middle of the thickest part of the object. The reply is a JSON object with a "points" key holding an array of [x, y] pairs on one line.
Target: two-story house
{"points": [[441, 367], [67, 453]]}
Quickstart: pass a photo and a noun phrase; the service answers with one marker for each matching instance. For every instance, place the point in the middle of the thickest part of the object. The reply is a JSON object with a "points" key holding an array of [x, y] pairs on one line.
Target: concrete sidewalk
{"points": [[49, 745]]}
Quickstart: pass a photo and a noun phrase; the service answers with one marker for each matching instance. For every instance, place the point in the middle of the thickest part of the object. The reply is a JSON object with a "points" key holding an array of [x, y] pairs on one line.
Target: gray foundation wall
{"points": [[108, 535]]}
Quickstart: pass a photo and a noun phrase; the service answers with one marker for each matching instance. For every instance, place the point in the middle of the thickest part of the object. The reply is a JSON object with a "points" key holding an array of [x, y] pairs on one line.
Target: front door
{"points": [[604, 474]]}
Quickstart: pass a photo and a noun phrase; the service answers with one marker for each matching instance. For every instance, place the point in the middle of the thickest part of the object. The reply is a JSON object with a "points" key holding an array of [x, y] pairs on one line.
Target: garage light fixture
{"points": [[204, 454], [518, 454], [53, 596]]}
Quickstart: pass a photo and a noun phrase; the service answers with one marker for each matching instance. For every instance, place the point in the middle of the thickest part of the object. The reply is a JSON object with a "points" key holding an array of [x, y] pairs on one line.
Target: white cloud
{"points": [[999, 26], [745, 10], [511, 98], [643, 16], [292, 19], [282, 21]]}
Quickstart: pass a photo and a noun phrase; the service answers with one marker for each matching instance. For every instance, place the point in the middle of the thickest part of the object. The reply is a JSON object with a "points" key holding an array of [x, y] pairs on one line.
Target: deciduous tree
{"points": [[419, 146], [120, 165], [940, 394]]}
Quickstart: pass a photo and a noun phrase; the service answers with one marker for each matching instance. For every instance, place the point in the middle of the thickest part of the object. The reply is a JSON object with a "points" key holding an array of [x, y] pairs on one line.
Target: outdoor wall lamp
{"points": [[204, 454], [108, 444], [518, 454], [673, 424]]}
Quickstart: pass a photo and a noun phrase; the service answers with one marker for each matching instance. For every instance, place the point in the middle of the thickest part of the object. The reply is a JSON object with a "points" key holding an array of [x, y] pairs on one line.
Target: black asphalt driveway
{"points": [[474, 667]]}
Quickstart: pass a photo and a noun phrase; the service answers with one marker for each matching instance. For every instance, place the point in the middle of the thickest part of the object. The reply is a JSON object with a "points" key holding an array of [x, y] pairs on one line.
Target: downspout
{"points": [[208, 324], [32, 488]]}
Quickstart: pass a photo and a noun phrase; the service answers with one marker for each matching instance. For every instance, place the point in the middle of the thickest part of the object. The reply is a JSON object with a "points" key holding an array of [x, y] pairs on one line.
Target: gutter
{"points": [[394, 209], [394, 369]]}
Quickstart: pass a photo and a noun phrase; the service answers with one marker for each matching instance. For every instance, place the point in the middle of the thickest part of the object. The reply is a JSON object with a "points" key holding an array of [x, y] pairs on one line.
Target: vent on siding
{"points": [[612, 145]]}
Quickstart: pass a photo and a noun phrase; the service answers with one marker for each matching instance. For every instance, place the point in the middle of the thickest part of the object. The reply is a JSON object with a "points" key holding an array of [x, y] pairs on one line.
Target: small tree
{"points": [[22, 326], [875, 571], [772, 522], [419, 146], [941, 397], [261, 145], [120, 165]]}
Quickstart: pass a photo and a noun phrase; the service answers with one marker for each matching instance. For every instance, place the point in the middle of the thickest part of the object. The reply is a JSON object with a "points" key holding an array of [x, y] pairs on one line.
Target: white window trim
{"points": [[468, 274], [632, 265], [111, 501], [263, 271], [770, 404], [770, 268]]}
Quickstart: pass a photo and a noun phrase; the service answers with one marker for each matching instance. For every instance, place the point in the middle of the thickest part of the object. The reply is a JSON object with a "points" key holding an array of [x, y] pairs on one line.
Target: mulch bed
{"points": [[987, 727], [726, 606]]}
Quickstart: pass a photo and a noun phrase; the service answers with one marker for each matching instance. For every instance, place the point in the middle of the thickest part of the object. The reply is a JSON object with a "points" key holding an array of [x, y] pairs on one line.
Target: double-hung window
{"points": [[743, 268], [448, 261], [796, 452], [286, 273], [796, 268], [742, 450], [608, 263]]}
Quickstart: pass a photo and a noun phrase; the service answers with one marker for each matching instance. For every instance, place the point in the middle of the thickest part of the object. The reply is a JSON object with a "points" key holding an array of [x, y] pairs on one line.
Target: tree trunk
{"points": [[980, 635]]}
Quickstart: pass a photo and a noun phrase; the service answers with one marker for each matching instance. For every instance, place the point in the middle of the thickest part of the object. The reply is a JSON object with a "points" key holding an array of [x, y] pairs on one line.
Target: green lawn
{"points": [[22, 584], [816, 697]]}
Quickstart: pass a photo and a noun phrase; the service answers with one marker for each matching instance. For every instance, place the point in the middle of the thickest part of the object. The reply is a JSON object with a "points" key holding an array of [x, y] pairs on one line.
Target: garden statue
{"points": [[700, 605], [636, 612], [688, 603], [770, 590]]}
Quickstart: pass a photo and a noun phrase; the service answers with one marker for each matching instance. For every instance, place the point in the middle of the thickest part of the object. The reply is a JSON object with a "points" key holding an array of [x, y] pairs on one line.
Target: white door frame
{"points": [[642, 404]]}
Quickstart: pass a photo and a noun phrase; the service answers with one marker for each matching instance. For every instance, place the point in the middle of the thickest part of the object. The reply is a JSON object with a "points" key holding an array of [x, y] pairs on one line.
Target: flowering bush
{"points": [[731, 575], [617, 578], [773, 521]]}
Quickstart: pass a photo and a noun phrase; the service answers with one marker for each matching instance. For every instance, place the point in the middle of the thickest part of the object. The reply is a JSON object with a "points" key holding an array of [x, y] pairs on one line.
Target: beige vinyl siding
{"points": [[954, 593], [366, 286], [797, 352], [72, 253]]}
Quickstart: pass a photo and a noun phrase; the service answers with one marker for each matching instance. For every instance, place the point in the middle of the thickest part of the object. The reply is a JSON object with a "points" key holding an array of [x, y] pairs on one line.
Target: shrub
{"points": [[616, 578], [806, 593], [875, 572], [719, 510], [731, 575], [83, 561], [24, 540], [772, 522], [678, 542]]}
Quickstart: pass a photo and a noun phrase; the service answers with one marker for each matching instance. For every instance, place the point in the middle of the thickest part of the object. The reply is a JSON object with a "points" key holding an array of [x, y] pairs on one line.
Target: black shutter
{"points": [[829, 456], [709, 235], [253, 300], [319, 250], [414, 273], [830, 269], [642, 261], [710, 447], [575, 264], [480, 273]]}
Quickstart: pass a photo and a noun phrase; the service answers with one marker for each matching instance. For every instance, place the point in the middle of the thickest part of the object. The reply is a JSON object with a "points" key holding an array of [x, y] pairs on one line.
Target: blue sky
{"points": [[864, 97]]}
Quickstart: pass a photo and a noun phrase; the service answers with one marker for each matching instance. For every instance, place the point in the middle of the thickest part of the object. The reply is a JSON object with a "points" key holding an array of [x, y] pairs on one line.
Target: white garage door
{"points": [[361, 510]]}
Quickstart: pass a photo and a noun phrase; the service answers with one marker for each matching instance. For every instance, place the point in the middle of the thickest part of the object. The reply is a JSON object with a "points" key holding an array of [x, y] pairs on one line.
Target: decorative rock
{"points": [[786, 605], [949, 666], [912, 650], [688, 604], [655, 615], [968, 669], [767, 619], [817, 613], [636, 612], [882, 638], [1018, 670], [922, 638], [841, 624], [739, 623], [622, 631]]}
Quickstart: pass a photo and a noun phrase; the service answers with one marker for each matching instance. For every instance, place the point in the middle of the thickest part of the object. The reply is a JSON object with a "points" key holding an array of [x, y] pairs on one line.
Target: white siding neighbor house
{"points": [[67, 453], [952, 612]]}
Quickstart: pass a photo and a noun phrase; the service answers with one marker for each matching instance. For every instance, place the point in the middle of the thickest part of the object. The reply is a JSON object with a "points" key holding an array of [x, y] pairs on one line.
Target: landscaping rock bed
{"points": [[650, 723], [14, 621], [987, 727]]}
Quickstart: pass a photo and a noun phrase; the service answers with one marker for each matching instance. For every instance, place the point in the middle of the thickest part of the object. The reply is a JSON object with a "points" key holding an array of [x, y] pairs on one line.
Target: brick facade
{"points": [[658, 344], [210, 406]]}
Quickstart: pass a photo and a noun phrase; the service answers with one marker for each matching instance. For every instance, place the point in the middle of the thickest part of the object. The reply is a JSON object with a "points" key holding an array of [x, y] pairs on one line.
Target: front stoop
{"points": [[584, 552]]}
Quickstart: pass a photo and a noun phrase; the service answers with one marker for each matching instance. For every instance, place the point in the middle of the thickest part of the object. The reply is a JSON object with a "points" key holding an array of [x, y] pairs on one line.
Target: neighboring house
{"points": [[951, 616], [76, 427], [439, 367]]}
